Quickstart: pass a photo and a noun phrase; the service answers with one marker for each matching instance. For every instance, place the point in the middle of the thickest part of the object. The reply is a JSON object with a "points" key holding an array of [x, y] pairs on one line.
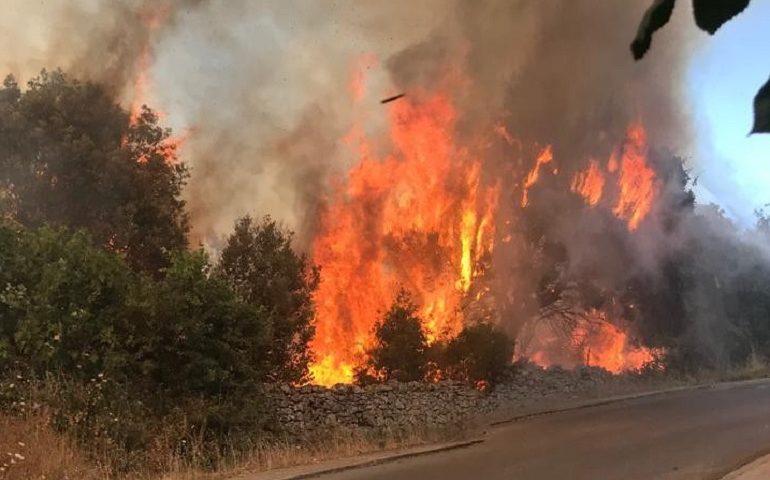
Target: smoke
{"points": [[263, 89], [262, 85]]}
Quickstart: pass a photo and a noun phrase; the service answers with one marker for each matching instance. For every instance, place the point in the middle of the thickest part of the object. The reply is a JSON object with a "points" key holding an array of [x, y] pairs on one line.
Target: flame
{"points": [[637, 180], [593, 341], [152, 15], [415, 212], [607, 346], [589, 183], [357, 84], [545, 157], [416, 217]]}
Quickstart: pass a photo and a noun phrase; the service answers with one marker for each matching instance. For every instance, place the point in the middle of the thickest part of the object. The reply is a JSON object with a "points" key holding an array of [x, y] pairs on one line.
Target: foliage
{"points": [[259, 263], [62, 302], [119, 351], [709, 15], [205, 341], [479, 353], [69, 156], [400, 346]]}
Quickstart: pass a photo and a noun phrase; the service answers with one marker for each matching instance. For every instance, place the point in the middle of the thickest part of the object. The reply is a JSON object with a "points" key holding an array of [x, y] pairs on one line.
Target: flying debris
{"points": [[393, 98]]}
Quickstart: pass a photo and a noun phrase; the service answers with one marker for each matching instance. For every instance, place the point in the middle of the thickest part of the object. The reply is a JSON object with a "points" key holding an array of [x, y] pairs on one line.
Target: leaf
{"points": [[762, 110], [654, 18], [712, 14]]}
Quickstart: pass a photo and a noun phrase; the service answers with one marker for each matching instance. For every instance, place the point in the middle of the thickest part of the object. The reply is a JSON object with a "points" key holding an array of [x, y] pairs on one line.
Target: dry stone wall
{"points": [[307, 409], [392, 405]]}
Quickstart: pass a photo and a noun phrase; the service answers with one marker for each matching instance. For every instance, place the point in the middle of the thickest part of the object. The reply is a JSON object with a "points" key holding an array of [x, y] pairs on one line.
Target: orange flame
{"points": [[637, 180], [589, 183], [417, 217], [357, 85], [545, 157], [594, 341]]}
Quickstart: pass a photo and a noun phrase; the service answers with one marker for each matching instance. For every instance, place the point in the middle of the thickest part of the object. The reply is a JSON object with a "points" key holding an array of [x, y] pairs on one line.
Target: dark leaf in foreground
{"points": [[762, 110], [654, 18], [712, 14]]}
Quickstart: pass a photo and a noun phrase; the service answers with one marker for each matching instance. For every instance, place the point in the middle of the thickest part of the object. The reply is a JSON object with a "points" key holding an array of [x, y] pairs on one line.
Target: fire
{"points": [[545, 157], [415, 212], [416, 217], [152, 16], [593, 341], [357, 84], [589, 183], [637, 180]]}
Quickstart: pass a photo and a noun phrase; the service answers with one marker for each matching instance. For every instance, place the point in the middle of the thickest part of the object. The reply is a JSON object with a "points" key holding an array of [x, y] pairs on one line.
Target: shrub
{"points": [[400, 345], [197, 337], [123, 360], [62, 302], [480, 353]]}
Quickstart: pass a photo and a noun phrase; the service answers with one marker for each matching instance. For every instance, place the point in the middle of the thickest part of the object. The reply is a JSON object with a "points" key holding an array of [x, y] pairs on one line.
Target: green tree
{"points": [[400, 346], [204, 340], [69, 156], [479, 353], [260, 265]]}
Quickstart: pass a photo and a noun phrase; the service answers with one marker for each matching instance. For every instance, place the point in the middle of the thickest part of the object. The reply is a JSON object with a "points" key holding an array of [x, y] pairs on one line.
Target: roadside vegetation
{"points": [[119, 340]]}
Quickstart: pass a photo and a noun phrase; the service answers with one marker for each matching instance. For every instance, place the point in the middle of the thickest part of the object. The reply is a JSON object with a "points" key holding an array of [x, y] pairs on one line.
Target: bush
{"points": [[480, 353], [62, 302], [201, 339], [259, 263], [121, 359], [400, 346]]}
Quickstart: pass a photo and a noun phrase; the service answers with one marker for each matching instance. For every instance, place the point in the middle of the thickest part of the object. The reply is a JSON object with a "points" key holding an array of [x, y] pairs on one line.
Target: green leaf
{"points": [[654, 18], [712, 14], [762, 110]]}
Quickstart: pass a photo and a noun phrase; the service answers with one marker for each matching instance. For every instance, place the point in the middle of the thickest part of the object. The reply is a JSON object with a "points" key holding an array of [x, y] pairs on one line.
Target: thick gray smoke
{"points": [[262, 86]]}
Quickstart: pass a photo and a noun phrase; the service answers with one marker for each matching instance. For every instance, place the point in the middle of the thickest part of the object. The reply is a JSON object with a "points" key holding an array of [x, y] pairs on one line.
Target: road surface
{"points": [[696, 434]]}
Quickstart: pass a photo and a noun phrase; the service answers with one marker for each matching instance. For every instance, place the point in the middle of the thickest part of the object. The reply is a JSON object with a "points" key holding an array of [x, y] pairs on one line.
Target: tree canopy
{"points": [[70, 156], [262, 268]]}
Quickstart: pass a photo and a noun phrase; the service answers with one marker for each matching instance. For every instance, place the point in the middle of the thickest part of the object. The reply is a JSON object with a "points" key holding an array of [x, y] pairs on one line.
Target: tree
{"points": [[200, 339], [69, 156], [400, 346], [479, 353], [262, 268]]}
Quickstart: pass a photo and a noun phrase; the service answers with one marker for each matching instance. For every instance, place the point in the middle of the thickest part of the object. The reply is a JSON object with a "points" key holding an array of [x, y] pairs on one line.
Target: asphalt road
{"points": [[697, 434]]}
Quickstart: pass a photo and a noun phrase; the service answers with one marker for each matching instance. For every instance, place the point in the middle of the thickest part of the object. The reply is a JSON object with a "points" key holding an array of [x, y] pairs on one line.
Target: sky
{"points": [[724, 74]]}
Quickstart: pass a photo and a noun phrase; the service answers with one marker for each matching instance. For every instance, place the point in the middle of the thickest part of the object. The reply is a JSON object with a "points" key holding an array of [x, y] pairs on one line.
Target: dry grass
{"points": [[31, 450], [335, 443], [341, 443]]}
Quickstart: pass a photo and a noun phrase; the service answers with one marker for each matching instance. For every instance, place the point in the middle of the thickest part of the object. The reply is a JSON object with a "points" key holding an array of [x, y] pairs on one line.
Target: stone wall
{"points": [[417, 404], [393, 405]]}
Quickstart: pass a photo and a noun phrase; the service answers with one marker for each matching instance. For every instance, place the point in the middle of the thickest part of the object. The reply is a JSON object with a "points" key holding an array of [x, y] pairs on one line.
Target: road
{"points": [[696, 434]]}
